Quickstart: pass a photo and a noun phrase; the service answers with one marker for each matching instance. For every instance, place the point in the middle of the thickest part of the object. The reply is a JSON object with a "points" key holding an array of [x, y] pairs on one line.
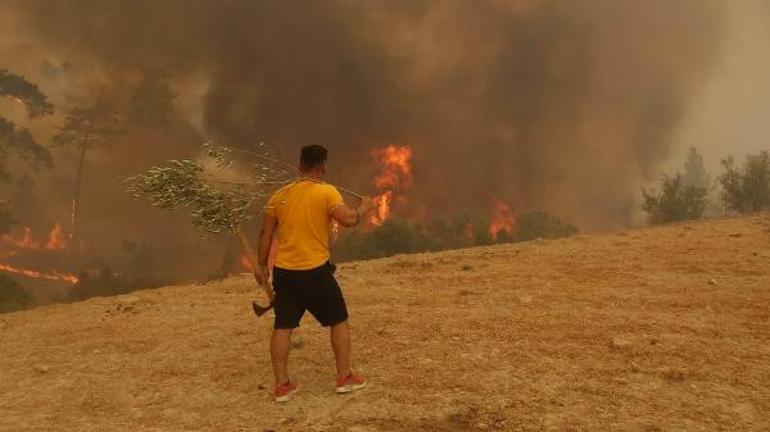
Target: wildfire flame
{"points": [[56, 240], [382, 207], [53, 275], [395, 175], [502, 219], [26, 241]]}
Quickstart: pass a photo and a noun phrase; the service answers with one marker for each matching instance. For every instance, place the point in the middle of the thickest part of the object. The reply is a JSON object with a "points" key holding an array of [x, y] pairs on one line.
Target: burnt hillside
{"points": [[656, 329]]}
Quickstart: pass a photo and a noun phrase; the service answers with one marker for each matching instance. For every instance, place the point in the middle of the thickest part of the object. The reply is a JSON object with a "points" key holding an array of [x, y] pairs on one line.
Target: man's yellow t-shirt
{"points": [[303, 210]]}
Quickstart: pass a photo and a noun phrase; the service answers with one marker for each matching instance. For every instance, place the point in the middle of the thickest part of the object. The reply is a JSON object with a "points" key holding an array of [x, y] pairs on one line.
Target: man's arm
{"points": [[266, 233], [349, 217]]}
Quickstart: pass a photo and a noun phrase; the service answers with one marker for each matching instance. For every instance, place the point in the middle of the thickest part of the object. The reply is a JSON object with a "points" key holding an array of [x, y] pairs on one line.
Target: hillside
{"points": [[656, 329]]}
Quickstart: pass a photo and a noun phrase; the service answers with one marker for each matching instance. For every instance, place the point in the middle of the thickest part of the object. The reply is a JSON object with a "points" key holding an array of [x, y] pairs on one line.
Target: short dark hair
{"points": [[312, 156]]}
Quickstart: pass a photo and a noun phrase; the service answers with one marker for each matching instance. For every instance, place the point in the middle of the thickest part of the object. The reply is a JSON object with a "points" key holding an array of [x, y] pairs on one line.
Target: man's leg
{"points": [[328, 306], [340, 336], [347, 381], [280, 344]]}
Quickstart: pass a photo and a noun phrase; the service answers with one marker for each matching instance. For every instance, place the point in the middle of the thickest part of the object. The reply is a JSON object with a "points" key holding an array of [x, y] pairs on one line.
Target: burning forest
{"points": [[537, 118], [185, 185]]}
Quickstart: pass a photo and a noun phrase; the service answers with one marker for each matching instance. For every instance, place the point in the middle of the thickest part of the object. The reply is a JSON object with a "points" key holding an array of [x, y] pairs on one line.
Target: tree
{"points": [[215, 206], [7, 217], [152, 102], [19, 141], [747, 189], [675, 201], [16, 86], [183, 184], [83, 130], [695, 171]]}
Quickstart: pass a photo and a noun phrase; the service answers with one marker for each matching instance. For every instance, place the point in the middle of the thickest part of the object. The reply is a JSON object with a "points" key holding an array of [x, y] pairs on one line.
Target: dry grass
{"points": [[662, 329]]}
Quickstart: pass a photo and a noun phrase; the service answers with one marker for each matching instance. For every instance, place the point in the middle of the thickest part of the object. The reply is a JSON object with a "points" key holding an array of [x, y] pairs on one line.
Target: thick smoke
{"points": [[559, 105]]}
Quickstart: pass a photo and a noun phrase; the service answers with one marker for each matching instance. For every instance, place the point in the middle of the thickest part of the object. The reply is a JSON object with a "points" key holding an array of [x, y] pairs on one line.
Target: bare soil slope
{"points": [[657, 329]]}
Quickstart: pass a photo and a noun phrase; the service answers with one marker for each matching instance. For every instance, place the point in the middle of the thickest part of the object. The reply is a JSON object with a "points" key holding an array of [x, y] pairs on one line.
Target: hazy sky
{"points": [[731, 113]]}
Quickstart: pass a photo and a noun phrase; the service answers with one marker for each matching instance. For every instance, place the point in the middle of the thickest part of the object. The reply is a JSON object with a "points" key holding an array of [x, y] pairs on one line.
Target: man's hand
{"points": [[262, 275], [349, 217]]}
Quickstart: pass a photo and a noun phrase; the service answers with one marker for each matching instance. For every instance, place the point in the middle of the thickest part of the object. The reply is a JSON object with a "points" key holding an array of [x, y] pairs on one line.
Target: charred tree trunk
{"points": [[76, 194]]}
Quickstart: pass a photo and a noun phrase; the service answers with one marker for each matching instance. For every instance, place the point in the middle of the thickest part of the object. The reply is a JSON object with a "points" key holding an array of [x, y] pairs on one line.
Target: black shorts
{"points": [[314, 290]]}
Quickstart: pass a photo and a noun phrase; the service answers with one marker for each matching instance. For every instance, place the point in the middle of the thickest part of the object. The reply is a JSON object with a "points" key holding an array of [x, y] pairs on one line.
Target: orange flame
{"points": [[502, 219], [26, 241], [53, 275], [395, 175], [56, 240], [382, 207]]}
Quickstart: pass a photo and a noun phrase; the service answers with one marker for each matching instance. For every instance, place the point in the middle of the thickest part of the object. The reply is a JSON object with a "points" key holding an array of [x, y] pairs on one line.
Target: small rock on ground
{"points": [[129, 299], [620, 343]]}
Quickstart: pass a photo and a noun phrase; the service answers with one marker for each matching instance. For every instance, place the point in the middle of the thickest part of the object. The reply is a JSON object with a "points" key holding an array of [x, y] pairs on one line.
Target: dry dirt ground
{"points": [[662, 329]]}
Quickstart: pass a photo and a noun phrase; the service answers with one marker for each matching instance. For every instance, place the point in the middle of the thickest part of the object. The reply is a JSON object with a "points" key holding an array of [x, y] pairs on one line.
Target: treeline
{"points": [[144, 104], [397, 236], [693, 194], [118, 114]]}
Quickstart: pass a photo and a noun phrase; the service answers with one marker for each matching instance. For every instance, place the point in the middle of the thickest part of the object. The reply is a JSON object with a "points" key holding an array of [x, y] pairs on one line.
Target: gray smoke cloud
{"points": [[558, 105]]}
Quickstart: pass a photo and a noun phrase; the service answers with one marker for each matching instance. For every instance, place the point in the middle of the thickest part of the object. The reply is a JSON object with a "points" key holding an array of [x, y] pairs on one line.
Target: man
{"points": [[303, 278]]}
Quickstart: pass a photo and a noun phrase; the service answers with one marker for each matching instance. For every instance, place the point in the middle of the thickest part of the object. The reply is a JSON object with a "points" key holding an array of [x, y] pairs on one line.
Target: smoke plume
{"points": [[558, 105]]}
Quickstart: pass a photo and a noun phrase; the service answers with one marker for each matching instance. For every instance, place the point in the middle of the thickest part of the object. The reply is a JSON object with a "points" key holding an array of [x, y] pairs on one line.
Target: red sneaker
{"points": [[350, 383], [283, 392]]}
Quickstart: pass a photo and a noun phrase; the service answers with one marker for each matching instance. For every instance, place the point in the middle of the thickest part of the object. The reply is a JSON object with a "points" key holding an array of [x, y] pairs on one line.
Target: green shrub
{"points": [[747, 189], [107, 283], [676, 201], [450, 233], [540, 224], [397, 236], [12, 296], [394, 236]]}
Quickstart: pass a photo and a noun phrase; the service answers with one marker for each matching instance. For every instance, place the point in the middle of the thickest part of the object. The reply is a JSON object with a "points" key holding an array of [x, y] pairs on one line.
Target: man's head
{"points": [[312, 159]]}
